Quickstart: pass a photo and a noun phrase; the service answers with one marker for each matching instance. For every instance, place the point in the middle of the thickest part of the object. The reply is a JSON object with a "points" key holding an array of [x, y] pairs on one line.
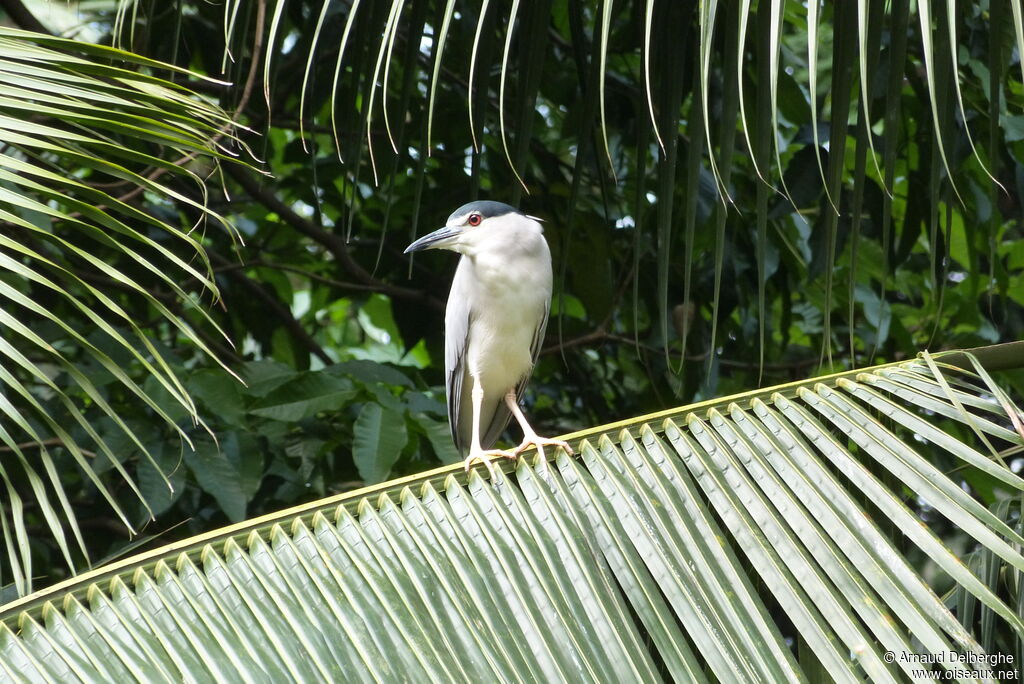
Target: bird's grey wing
{"points": [[501, 414], [535, 346], [458, 382], [456, 336]]}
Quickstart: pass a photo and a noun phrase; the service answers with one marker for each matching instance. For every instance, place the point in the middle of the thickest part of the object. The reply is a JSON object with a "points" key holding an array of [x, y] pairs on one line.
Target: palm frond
{"points": [[77, 120], [696, 544]]}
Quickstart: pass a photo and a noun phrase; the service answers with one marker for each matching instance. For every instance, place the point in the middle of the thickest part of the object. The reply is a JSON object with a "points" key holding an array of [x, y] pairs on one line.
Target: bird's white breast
{"points": [[512, 290]]}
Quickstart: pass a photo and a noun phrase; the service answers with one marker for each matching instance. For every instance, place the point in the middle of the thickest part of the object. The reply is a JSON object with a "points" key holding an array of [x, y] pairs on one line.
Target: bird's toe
{"points": [[541, 442], [564, 445], [487, 457]]}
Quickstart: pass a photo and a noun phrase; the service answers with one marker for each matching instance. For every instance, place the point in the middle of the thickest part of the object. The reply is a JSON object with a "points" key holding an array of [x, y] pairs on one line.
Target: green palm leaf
{"points": [[689, 544], [76, 120]]}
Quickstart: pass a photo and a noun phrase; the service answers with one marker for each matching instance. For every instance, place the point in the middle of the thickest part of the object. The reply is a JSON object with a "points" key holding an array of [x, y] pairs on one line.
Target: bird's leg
{"points": [[529, 435], [476, 452]]}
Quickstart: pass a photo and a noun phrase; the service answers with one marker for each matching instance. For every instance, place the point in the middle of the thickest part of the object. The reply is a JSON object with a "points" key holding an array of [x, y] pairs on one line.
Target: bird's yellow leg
{"points": [[530, 437], [476, 452]]}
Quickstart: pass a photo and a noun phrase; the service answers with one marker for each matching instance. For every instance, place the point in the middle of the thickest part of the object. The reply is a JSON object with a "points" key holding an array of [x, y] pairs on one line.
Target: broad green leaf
{"points": [[304, 396], [380, 436], [218, 477], [440, 437]]}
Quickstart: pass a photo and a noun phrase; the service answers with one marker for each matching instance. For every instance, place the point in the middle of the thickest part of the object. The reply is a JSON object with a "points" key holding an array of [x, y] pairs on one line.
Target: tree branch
{"points": [[258, 263], [335, 244], [51, 442], [600, 336], [278, 310]]}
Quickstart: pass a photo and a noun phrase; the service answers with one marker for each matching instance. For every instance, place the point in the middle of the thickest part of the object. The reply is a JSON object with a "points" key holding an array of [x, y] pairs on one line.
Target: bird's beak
{"points": [[435, 239]]}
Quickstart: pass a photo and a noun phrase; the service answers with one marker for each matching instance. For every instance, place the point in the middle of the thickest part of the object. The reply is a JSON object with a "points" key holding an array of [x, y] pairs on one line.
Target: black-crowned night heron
{"points": [[494, 324]]}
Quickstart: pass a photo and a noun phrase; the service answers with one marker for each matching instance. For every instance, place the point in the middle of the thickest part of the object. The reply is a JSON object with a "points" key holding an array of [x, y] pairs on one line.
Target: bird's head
{"points": [[474, 223]]}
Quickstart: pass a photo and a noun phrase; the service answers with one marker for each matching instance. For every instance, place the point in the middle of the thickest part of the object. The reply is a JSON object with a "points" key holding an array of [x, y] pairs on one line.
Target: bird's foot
{"points": [[487, 456], [540, 443]]}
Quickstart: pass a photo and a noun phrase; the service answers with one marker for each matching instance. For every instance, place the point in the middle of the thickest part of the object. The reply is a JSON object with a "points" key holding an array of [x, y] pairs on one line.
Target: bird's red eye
{"points": [[475, 219]]}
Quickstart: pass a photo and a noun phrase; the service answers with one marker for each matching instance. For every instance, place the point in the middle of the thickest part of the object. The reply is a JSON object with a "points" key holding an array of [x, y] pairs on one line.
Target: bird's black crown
{"points": [[486, 208]]}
